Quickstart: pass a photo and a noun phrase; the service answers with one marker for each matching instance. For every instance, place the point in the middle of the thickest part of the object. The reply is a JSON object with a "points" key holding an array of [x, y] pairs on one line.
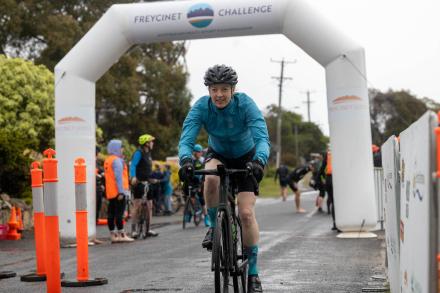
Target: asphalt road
{"points": [[298, 253]]}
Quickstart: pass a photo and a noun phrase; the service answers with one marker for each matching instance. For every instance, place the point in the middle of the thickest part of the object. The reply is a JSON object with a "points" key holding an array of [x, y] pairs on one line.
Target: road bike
{"points": [[177, 200], [228, 259], [193, 208], [142, 227]]}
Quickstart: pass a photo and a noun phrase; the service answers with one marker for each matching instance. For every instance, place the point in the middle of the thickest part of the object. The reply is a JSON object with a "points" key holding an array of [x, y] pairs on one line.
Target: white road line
{"points": [[271, 239]]}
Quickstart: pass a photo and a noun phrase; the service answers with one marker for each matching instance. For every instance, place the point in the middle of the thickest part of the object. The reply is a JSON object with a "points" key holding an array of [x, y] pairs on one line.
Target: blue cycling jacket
{"points": [[233, 131]]}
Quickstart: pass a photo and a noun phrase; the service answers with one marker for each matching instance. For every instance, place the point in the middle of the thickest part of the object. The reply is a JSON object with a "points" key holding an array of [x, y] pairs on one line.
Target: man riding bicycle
{"points": [[238, 138], [199, 164], [140, 173]]}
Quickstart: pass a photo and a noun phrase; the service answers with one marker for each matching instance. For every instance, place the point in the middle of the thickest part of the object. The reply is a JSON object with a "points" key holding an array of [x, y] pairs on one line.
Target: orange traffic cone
{"points": [[20, 227], [13, 225]]}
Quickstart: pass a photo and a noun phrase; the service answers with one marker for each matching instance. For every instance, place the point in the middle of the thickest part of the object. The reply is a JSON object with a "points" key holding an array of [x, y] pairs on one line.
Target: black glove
{"points": [[257, 169], [186, 172]]}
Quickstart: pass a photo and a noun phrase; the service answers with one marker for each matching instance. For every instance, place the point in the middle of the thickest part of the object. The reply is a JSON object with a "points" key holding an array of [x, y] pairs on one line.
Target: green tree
{"points": [[392, 112], [145, 92], [26, 120], [295, 133]]}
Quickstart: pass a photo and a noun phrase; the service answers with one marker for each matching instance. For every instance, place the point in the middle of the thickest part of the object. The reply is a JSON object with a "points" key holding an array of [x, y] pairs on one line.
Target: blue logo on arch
{"points": [[200, 15]]}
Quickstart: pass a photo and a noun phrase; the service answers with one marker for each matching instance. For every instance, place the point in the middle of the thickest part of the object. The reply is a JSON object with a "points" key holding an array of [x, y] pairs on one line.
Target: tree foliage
{"points": [[393, 111], [26, 119], [145, 92], [294, 133]]}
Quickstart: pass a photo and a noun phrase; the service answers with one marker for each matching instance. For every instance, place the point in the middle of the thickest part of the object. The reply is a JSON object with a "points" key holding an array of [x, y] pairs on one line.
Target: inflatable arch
{"points": [[125, 25]]}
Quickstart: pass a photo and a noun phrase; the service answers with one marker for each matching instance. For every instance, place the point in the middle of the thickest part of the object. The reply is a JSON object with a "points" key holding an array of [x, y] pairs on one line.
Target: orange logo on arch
{"points": [[70, 119], [345, 99]]}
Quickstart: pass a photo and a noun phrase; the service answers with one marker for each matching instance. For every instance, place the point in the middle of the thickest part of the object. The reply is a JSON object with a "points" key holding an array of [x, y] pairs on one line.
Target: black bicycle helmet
{"points": [[220, 74]]}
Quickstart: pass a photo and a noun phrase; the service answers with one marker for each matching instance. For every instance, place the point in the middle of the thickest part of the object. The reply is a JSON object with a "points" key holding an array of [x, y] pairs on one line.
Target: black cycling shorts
{"points": [[242, 182], [138, 191], [284, 182], [294, 186]]}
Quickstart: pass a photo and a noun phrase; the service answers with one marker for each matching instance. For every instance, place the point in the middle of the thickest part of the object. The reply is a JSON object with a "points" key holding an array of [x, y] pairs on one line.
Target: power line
{"points": [[281, 79]]}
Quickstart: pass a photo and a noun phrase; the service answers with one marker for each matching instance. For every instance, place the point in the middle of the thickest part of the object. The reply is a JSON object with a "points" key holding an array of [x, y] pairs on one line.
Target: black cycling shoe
{"points": [[254, 284], [207, 242]]}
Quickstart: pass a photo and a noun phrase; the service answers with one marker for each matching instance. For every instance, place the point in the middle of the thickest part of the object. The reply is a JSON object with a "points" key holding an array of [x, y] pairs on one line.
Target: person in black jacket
{"points": [[282, 173], [141, 177], [293, 178]]}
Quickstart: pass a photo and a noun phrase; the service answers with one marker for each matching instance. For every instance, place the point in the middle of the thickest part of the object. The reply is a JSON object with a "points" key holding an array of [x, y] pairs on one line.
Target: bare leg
{"points": [[210, 191], [298, 202], [246, 210], [284, 193]]}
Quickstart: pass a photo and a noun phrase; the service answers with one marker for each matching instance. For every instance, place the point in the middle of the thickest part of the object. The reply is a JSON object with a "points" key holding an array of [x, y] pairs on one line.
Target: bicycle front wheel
{"points": [[220, 254], [187, 212], [240, 260], [198, 212]]}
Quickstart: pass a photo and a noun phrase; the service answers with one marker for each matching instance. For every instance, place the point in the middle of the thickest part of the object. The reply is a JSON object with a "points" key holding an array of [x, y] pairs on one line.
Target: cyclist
{"points": [[140, 173], [199, 164], [238, 138], [282, 173]]}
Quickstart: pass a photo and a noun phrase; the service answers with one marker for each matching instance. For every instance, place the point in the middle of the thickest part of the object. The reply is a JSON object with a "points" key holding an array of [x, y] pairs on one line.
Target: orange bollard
{"points": [[50, 181], [20, 220], [82, 242], [13, 226], [39, 229], [101, 222]]}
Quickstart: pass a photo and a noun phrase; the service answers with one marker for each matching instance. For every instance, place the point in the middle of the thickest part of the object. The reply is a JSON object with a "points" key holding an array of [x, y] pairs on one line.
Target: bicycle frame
{"points": [[226, 208]]}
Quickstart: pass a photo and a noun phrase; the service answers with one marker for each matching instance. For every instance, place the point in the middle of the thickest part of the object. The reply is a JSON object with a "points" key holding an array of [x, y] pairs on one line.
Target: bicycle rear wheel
{"points": [[220, 259], [144, 224], [187, 212], [240, 275]]}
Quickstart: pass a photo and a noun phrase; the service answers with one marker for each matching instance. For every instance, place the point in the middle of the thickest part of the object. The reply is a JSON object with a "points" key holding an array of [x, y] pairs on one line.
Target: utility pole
{"points": [[281, 78], [308, 102]]}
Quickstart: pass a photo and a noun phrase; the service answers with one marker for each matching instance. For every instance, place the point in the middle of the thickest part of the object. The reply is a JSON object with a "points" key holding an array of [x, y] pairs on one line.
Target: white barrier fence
{"points": [[379, 192], [411, 207]]}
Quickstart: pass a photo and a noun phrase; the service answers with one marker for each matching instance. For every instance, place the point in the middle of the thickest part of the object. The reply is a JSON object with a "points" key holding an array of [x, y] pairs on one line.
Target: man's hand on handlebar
{"points": [[257, 169], [186, 172]]}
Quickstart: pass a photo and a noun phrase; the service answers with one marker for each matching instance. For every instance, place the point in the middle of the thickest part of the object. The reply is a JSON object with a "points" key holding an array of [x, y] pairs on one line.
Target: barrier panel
{"points": [[379, 192], [418, 209], [391, 187]]}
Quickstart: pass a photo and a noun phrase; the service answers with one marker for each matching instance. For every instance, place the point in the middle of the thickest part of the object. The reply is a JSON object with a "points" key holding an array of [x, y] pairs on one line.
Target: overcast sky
{"points": [[401, 39]]}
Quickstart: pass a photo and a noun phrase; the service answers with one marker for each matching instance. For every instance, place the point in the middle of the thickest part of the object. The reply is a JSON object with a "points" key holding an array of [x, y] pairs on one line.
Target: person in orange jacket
{"points": [[327, 170], [116, 190]]}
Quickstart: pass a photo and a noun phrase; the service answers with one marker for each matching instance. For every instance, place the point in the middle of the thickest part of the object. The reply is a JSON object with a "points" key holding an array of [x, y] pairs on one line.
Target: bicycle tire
{"points": [[240, 277], [186, 211], [144, 222], [197, 213], [220, 254]]}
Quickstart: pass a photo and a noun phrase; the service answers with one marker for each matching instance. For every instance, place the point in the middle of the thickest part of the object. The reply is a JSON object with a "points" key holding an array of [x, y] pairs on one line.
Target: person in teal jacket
{"points": [[238, 138]]}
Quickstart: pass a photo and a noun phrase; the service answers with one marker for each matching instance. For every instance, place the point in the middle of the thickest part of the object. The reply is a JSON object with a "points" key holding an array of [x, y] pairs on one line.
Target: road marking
{"points": [[269, 239]]}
